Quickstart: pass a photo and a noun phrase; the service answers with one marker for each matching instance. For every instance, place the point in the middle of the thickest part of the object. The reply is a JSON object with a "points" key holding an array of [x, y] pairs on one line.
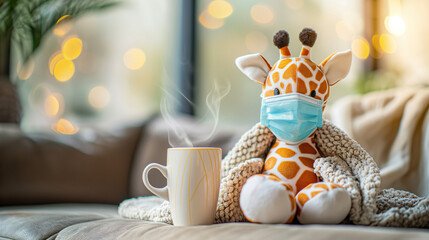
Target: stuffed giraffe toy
{"points": [[294, 94]]}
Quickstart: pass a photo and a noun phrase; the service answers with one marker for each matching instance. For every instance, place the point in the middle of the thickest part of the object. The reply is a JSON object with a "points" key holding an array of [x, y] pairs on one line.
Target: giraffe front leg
{"points": [[267, 199], [323, 203]]}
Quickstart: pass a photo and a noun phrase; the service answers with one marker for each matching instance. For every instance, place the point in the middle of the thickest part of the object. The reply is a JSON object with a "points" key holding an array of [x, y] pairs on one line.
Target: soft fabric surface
{"points": [[393, 126], [127, 229], [89, 222], [45, 221], [343, 162], [90, 166]]}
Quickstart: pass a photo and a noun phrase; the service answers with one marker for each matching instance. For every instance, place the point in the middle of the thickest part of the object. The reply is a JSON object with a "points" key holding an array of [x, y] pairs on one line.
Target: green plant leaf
{"points": [[30, 20]]}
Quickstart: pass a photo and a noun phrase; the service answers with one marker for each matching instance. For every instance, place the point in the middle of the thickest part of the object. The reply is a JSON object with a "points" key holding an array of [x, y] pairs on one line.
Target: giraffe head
{"points": [[296, 74], [295, 89]]}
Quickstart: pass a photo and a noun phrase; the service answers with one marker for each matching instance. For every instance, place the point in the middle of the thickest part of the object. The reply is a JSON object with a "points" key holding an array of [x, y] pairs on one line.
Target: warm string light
{"points": [[64, 126], [213, 17], [134, 58], [53, 60], [72, 48], [54, 105], [394, 23], [378, 44], [261, 14], [62, 67], [99, 97], [384, 43], [378, 51], [387, 43], [210, 22], [64, 70], [360, 48], [220, 9], [63, 25], [61, 64]]}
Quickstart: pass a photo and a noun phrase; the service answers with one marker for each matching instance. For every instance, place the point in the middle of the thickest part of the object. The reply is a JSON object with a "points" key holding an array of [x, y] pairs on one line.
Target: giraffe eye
{"points": [[276, 91], [313, 93]]}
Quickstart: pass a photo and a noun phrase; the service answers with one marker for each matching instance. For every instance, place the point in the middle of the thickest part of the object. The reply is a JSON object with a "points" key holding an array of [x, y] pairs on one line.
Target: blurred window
{"points": [[103, 68], [112, 66]]}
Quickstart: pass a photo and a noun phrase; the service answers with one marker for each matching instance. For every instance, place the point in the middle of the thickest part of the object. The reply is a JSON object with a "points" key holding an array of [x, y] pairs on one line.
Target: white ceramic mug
{"points": [[193, 180]]}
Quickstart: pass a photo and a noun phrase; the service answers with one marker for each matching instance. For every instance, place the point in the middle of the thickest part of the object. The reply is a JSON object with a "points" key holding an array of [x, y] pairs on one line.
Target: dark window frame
{"points": [[187, 56]]}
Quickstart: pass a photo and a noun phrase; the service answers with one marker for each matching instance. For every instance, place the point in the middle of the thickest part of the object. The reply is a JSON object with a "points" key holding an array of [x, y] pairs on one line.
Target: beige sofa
{"points": [[69, 187]]}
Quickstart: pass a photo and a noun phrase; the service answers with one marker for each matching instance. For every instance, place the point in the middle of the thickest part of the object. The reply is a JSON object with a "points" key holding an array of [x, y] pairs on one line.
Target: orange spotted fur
{"points": [[312, 191]]}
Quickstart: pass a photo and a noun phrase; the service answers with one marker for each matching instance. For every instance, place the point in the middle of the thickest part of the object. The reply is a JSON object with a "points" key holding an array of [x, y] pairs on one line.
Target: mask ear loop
{"points": [[324, 105]]}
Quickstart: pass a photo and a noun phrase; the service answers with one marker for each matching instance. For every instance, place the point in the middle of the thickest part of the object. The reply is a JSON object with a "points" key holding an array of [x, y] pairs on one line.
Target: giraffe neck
{"points": [[293, 163], [306, 146]]}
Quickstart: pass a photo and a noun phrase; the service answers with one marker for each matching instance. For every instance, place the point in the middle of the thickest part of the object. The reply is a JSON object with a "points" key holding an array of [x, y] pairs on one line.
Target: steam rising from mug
{"points": [[177, 136]]}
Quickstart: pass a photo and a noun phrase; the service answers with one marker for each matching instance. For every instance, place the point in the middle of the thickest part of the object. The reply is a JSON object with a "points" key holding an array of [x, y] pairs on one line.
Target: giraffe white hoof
{"points": [[323, 203], [267, 199]]}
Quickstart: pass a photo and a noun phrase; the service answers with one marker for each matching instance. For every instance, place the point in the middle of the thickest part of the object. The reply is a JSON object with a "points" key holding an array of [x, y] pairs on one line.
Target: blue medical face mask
{"points": [[291, 117]]}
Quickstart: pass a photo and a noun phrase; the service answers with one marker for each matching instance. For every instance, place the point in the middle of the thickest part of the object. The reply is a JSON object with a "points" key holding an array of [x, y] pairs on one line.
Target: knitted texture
{"points": [[343, 161], [350, 156], [253, 144], [228, 207], [397, 208], [141, 208]]}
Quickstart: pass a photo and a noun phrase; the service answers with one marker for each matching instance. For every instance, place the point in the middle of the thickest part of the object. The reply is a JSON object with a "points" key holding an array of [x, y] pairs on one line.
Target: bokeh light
{"points": [[256, 42], [294, 4], [53, 105], [63, 25], [64, 126], [25, 72], [378, 52], [210, 22], [72, 48], [261, 13], [219, 9], [387, 43], [64, 70], [360, 48], [134, 58], [99, 97], [53, 60], [62, 18], [395, 25], [344, 30], [376, 43]]}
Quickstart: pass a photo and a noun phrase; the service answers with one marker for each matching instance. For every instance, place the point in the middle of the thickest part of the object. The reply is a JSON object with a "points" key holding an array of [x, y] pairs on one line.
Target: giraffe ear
{"points": [[337, 66], [254, 66]]}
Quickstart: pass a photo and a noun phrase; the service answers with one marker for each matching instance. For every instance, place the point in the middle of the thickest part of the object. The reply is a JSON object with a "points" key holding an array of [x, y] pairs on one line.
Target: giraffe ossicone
{"points": [[294, 92]]}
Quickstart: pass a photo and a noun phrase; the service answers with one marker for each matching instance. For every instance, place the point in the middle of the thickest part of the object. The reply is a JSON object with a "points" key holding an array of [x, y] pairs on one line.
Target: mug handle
{"points": [[160, 192]]}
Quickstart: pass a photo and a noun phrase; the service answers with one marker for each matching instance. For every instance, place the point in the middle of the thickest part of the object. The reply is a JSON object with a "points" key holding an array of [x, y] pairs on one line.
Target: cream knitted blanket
{"points": [[343, 161]]}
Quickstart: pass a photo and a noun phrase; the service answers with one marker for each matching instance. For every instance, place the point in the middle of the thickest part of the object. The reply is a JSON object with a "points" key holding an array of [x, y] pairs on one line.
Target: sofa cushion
{"points": [[45, 221], [90, 166], [93, 221], [150, 230]]}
